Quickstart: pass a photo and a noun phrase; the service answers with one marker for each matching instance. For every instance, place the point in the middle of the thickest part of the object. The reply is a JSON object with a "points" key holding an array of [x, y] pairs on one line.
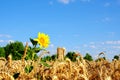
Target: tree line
{"points": [[16, 49]]}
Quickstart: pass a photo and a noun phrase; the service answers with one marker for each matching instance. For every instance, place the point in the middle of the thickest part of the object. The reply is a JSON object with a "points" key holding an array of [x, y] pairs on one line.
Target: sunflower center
{"points": [[42, 40]]}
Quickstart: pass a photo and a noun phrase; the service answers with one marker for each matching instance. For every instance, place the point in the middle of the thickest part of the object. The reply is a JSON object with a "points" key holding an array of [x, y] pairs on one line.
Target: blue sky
{"points": [[78, 25]]}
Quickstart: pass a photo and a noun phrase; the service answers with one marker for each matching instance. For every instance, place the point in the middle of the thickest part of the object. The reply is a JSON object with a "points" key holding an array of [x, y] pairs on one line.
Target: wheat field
{"points": [[65, 69]]}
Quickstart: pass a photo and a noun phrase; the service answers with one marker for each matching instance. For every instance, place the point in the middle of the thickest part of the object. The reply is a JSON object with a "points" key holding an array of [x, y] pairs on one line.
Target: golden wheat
{"points": [[61, 69], [5, 76]]}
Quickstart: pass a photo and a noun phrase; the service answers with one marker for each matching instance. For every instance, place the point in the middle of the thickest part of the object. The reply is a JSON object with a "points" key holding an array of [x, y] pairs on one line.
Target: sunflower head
{"points": [[43, 40]]}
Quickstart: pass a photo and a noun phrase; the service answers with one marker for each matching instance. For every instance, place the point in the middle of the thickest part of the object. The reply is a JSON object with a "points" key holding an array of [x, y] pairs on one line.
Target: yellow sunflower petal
{"points": [[35, 39], [43, 40]]}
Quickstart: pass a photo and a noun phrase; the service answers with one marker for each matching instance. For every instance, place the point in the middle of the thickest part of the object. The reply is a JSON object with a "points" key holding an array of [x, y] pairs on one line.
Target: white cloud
{"points": [[92, 42], [113, 42], [51, 3], [6, 41], [29, 43], [10, 41], [92, 46], [70, 1], [76, 35], [85, 45], [85, 0], [5, 35], [51, 45], [110, 47], [111, 34], [116, 47], [64, 1], [107, 4], [1, 41], [102, 43], [106, 19], [52, 49]]}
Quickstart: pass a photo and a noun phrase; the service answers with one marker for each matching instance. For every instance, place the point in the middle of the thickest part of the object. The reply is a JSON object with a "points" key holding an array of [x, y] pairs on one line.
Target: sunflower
{"points": [[43, 40]]}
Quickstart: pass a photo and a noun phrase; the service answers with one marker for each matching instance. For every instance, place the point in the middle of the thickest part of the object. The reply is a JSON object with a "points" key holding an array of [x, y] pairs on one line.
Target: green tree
{"points": [[54, 57], [46, 58], [49, 58], [71, 56], [2, 52], [116, 57], [16, 49], [88, 57]]}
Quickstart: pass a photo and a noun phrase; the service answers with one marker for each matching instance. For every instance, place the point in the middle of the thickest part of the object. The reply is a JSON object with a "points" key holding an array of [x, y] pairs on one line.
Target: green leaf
{"points": [[37, 49], [45, 64], [28, 69], [33, 42]]}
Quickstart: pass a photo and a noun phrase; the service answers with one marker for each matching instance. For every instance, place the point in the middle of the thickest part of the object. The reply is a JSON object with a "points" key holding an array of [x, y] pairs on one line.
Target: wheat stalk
{"points": [[5, 76], [25, 51], [9, 60]]}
